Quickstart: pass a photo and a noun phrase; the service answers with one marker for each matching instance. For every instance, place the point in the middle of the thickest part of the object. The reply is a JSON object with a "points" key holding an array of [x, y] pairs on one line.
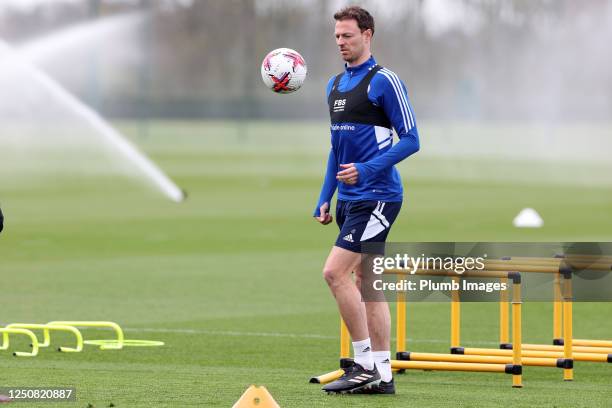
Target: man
{"points": [[365, 102]]}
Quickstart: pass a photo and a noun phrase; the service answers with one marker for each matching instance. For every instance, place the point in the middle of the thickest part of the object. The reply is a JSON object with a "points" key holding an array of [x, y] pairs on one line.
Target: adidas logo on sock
{"points": [[386, 361], [348, 238], [365, 350]]}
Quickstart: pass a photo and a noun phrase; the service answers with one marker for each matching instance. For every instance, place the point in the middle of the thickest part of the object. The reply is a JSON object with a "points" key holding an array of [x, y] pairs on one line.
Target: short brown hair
{"points": [[364, 19]]}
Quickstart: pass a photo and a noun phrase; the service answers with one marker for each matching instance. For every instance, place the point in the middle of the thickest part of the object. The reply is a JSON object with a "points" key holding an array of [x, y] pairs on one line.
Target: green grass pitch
{"points": [[230, 280]]}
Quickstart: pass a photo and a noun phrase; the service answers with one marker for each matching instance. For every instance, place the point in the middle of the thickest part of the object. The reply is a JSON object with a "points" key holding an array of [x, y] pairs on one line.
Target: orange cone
{"points": [[256, 397]]}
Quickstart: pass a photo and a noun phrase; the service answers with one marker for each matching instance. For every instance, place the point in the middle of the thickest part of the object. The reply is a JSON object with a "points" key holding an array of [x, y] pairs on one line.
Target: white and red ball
{"points": [[283, 70]]}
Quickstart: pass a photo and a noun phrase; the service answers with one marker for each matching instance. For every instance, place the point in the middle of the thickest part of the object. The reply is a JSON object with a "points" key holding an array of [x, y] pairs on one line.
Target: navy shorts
{"points": [[364, 221]]}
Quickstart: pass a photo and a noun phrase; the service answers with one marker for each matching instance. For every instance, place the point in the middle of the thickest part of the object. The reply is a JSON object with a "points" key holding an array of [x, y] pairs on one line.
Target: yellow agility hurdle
{"points": [[566, 361], [5, 341], [563, 268], [521, 265], [116, 344], [558, 310], [46, 328], [562, 304], [455, 361]]}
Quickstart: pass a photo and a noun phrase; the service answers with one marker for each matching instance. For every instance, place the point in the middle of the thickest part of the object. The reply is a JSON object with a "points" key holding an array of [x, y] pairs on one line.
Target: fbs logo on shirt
{"points": [[339, 105]]}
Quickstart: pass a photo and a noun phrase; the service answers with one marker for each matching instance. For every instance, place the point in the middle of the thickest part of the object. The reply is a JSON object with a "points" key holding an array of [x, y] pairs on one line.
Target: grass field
{"points": [[230, 280]]}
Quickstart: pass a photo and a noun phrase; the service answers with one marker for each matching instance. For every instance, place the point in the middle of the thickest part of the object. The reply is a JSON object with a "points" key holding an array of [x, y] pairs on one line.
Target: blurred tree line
{"points": [[460, 59]]}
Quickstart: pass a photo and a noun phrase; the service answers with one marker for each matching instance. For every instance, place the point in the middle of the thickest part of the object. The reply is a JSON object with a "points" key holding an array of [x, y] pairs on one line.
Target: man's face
{"points": [[351, 41]]}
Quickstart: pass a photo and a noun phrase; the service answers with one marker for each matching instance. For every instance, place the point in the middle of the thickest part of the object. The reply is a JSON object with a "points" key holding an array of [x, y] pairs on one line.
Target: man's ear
{"points": [[368, 34]]}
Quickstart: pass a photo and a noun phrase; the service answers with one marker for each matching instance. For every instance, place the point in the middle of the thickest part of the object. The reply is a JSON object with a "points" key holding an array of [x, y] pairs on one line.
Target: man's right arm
{"points": [[329, 183]]}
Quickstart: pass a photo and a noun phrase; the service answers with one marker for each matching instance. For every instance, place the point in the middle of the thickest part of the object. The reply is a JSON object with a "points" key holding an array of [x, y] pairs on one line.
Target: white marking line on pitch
{"points": [[230, 333], [273, 334]]}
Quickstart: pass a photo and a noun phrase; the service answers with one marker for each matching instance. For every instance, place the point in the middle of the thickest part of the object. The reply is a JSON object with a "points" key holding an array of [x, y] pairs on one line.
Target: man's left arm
{"points": [[389, 92]]}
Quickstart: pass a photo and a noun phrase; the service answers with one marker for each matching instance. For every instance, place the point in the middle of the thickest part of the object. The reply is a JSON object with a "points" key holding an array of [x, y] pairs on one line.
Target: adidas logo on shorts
{"points": [[348, 238]]}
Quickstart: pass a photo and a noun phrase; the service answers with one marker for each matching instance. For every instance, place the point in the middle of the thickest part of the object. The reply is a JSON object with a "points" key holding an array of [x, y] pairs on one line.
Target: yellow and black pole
{"points": [[455, 316], [400, 323], [568, 372], [517, 377], [557, 310], [345, 340], [504, 313], [517, 332]]}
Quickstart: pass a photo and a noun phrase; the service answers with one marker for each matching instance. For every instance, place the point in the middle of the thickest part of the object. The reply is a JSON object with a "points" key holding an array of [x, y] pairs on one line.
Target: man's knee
{"points": [[335, 276], [339, 266], [331, 275]]}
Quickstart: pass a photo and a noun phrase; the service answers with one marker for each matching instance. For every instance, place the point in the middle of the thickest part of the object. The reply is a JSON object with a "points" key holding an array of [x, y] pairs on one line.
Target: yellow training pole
{"points": [[444, 366], [327, 378], [592, 343], [575, 349], [400, 323], [516, 333], [497, 266], [568, 373], [5, 341], [455, 317], [345, 352], [504, 314], [557, 309], [581, 258], [345, 340], [595, 259], [476, 358], [575, 263], [590, 357]]}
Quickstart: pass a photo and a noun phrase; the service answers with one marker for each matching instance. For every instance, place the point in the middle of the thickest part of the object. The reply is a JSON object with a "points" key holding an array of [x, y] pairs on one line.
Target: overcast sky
{"points": [[26, 5]]}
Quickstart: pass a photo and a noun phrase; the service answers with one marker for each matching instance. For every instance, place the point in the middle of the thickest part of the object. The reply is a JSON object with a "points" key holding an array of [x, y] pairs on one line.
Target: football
{"points": [[283, 70]]}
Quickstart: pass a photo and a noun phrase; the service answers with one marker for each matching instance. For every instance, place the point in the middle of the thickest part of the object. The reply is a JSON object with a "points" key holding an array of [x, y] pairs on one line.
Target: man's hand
{"points": [[349, 175], [324, 218]]}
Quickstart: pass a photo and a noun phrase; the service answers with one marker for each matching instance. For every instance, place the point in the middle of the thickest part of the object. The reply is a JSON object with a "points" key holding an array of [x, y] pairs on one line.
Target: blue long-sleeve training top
{"points": [[371, 147]]}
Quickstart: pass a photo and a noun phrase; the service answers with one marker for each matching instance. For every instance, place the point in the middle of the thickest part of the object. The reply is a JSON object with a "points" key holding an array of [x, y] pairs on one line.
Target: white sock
{"points": [[363, 353], [382, 359]]}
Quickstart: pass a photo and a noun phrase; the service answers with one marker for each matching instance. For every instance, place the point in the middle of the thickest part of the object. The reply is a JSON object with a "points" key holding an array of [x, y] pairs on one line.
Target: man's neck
{"points": [[366, 56]]}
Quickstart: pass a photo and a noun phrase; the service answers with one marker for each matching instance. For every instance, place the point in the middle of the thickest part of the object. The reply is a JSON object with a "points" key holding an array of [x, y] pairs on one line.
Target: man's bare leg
{"points": [[379, 328], [337, 273], [379, 325]]}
